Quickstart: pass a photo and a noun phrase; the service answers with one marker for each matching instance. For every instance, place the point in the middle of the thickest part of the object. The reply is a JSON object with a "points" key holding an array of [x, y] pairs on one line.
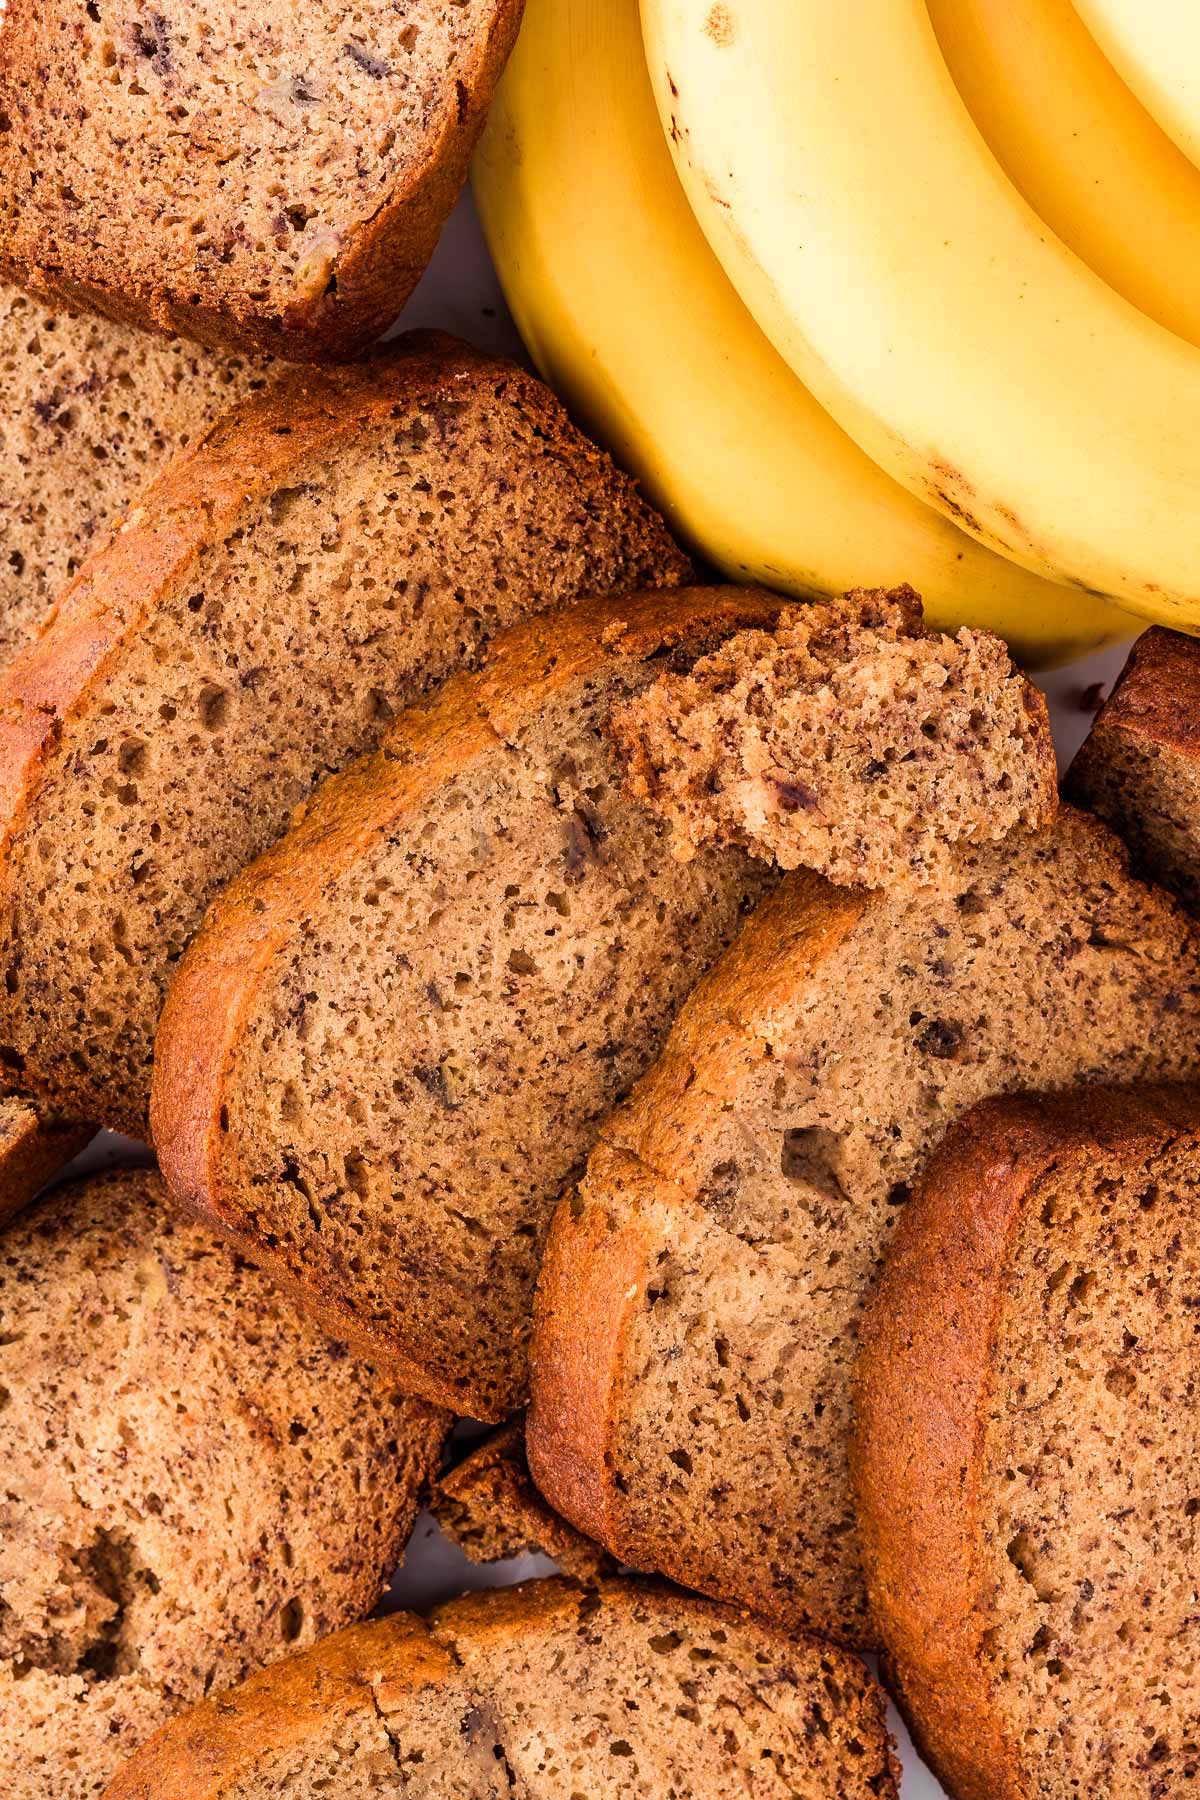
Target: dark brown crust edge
{"points": [[605, 1240], [200, 1754], [921, 1389], [385, 258], [218, 981], [244, 454], [1156, 698], [596, 1269]]}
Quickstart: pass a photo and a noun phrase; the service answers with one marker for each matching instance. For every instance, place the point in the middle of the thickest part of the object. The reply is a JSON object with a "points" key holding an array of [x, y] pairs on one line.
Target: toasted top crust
{"points": [[922, 1390], [1139, 767], [198, 182], [1157, 697], [649, 1161], [252, 922], [205, 1752], [538, 1676], [247, 453]]}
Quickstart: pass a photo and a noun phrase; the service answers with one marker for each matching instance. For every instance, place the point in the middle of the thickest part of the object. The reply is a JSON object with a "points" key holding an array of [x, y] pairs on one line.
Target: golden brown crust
{"points": [[366, 1671], [218, 981], [245, 453], [205, 1752], [643, 1180], [374, 1672], [921, 1390], [385, 257], [605, 1241], [595, 1272], [1157, 697], [498, 1615]]}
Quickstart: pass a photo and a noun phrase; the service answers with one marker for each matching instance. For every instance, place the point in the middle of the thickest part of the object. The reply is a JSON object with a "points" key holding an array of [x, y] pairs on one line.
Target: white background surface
{"points": [[460, 294]]}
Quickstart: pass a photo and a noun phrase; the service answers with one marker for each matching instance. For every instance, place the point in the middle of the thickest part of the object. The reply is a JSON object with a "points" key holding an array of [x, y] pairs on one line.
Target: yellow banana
{"points": [[885, 253], [1084, 152], [1155, 46], [627, 313]]}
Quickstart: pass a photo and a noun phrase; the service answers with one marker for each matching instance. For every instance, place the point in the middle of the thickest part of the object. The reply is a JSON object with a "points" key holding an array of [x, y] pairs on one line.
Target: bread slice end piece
{"points": [[1021, 1524]]}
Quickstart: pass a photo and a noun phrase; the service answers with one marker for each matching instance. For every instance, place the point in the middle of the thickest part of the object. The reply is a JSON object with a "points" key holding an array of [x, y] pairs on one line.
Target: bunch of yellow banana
{"points": [[844, 331]]}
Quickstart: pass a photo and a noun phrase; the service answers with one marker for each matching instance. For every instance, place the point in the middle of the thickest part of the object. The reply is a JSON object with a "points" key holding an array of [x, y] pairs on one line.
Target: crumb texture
{"points": [[1089, 1471], [272, 173], [549, 1692], [90, 411], [525, 923], [803, 1086], [281, 645], [849, 740], [196, 1481]]}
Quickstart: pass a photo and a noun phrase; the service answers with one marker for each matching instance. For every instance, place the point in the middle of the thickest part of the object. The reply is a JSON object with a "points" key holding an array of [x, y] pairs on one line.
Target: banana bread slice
{"points": [[849, 739], [488, 1506], [89, 411], [34, 1145], [1139, 766], [397, 1034], [701, 1293], [1027, 1450], [553, 1690], [196, 1480], [253, 175], [321, 556]]}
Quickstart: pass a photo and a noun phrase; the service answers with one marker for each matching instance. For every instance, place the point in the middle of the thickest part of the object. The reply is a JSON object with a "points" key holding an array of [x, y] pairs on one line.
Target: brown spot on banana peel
{"points": [[950, 491], [947, 503], [680, 134], [1010, 518], [953, 494], [720, 26]]}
